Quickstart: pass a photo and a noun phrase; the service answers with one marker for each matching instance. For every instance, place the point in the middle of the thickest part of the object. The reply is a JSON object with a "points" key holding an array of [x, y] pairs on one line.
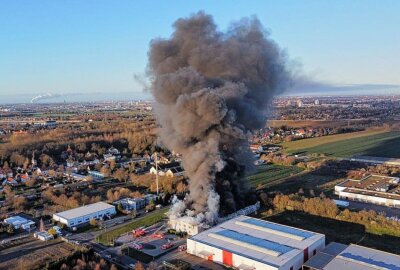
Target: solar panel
{"points": [[278, 228], [255, 242], [369, 261]]}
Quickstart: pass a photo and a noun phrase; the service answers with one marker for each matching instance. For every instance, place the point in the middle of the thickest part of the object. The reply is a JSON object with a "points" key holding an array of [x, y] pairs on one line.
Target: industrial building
{"points": [[43, 236], [249, 243], [190, 226], [131, 204], [19, 222], [185, 224], [96, 175], [353, 257], [391, 162], [82, 215], [376, 189]]}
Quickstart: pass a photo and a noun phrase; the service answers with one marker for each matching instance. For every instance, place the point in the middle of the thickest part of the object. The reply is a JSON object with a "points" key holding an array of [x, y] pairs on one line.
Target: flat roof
{"points": [[380, 194], [16, 220], [395, 161], [251, 242], [85, 210], [356, 257], [275, 228], [370, 182], [372, 185], [267, 242], [322, 258]]}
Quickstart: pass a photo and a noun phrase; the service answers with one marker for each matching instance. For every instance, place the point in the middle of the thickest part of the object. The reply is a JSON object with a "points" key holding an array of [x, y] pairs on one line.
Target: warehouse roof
{"points": [[85, 210], [323, 257], [354, 257], [270, 243], [361, 258], [15, 220]]}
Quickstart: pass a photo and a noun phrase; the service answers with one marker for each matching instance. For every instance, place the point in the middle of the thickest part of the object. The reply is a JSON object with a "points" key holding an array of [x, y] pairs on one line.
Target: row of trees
{"points": [[279, 159], [132, 137], [374, 222], [53, 202], [118, 193]]}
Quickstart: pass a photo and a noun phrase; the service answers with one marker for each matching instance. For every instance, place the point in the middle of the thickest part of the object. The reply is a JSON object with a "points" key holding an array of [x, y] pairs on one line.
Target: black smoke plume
{"points": [[212, 89]]}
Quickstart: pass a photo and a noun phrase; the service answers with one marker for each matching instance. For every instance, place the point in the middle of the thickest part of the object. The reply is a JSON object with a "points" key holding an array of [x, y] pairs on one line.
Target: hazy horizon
{"points": [[72, 97]]}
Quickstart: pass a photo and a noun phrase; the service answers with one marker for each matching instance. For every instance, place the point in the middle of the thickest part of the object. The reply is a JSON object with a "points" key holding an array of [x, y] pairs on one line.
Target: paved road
{"points": [[111, 254]]}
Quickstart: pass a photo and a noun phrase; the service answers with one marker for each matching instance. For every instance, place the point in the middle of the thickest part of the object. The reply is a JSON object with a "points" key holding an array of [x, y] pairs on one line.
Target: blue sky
{"points": [[96, 46]]}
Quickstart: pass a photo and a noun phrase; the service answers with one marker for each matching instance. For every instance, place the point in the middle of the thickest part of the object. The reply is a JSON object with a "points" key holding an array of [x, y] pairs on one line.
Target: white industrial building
{"points": [[391, 162], [185, 224], [43, 236], [130, 204], [376, 189], [82, 215], [19, 222], [253, 244], [353, 257], [192, 227]]}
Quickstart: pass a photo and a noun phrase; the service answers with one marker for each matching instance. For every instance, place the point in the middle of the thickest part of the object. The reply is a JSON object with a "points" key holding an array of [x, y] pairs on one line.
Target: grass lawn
{"points": [[150, 219], [294, 146], [266, 174], [382, 144], [306, 181], [338, 231]]}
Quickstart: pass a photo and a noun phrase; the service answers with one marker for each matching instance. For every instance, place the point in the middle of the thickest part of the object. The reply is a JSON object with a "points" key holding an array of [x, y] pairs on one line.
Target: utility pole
{"points": [[156, 173]]}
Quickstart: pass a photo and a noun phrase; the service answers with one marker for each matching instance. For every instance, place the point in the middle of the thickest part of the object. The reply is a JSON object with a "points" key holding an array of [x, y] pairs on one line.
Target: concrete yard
{"points": [[196, 262], [152, 247]]}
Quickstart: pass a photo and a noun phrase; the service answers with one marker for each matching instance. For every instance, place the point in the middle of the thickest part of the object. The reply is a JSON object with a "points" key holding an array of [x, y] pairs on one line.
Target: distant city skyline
{"points": [[95, 48]]}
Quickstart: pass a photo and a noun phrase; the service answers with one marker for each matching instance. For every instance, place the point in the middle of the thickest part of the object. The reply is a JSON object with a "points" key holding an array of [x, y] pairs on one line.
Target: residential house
{"points": [[170, 169]]}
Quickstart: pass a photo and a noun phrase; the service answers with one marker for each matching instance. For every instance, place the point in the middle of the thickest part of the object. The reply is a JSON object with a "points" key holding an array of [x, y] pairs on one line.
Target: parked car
{"points": [[167, 246], [182, 248], [137, 246]]}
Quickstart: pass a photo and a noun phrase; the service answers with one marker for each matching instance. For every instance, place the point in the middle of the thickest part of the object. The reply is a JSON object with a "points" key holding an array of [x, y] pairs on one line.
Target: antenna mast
{"points": [[156, 173]]}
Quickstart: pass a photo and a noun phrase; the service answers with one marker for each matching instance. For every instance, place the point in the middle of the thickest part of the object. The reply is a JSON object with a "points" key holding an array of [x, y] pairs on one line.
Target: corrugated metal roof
{"points": [[334, 248], [361, 258], [85, 210], [274, 228], [251, 242], [243, 250], [319, 261], [369, 261], [322, 258]]}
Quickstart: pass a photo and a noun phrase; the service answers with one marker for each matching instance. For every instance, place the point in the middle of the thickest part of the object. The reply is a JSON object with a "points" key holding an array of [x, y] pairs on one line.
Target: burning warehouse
{"points": [[192, 227], [212, 89]]}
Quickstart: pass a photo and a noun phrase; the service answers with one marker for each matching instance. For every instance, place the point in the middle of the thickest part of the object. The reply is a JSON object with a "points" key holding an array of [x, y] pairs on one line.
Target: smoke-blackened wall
{"points": [[212, 89]]}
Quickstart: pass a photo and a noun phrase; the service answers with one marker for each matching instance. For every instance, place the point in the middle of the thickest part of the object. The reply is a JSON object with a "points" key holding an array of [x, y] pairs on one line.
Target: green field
{"points": [[148, 220], [382, 144], [267, 174]]}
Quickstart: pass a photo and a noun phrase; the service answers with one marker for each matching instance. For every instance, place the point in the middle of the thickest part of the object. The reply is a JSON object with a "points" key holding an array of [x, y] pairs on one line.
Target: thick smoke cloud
{"points": [[212, 89]]}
